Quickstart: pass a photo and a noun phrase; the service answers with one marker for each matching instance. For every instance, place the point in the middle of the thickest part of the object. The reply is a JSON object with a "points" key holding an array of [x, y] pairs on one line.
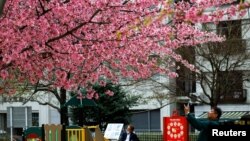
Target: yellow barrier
{"points": [[98, 133], [84, 134], [35, 139], [76, 134]]}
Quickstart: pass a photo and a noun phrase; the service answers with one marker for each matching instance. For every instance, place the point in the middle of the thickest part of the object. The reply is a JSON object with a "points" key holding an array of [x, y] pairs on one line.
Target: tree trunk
{"points": [[213, 102], [2, 2], [64, 110], [81, 117]]}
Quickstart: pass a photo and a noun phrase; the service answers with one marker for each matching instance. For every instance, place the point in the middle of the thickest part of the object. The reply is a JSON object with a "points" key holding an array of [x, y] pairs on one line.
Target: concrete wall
{"points": [[145, 89], [47, 115], [166, 111]]}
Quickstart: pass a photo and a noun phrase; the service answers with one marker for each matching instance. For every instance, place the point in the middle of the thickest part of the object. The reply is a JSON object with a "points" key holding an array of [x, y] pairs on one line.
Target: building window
{"points": [[3, 122], [181, 0], [146, 120], [238, 1], [234, 2], [232, 31], [230, 87], [186, 82], [35, 119]]}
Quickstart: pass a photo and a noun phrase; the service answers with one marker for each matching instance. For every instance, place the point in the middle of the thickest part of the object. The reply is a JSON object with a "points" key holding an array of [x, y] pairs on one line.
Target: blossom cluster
{"points": [[72, 43]]}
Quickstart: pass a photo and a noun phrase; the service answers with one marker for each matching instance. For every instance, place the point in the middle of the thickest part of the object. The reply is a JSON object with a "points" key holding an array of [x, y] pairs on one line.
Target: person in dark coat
{"points": [[204, 125], [129, 135]]}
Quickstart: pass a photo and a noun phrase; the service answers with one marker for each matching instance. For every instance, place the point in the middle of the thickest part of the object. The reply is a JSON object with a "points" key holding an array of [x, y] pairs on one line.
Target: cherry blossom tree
{"points": [[68, 44]]}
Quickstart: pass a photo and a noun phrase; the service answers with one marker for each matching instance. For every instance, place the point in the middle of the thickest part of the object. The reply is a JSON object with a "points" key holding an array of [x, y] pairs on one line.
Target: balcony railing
{"points": [[181, 93], [234, 96], [235, 2], [231, 47], [11, 99]]}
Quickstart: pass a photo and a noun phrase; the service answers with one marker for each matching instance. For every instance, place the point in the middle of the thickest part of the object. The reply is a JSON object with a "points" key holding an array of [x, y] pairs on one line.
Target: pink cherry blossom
{"points": [[4, 74], [72, 44], [109, 93], [96, 96], [102, 83]]}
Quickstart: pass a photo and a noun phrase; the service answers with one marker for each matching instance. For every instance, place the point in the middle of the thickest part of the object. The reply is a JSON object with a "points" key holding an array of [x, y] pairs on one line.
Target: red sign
{"points": [[175, 128]]}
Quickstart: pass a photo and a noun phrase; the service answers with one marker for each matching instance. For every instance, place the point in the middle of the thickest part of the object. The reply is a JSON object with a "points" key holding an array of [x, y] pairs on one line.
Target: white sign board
{"points": [[113, 131]]}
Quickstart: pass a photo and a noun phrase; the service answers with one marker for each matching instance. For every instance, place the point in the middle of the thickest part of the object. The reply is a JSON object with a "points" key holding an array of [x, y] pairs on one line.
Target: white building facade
{"points": [[41, 114], [232, 70]]}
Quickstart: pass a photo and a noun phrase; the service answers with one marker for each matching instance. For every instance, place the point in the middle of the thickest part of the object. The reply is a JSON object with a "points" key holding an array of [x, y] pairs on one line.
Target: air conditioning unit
{"points": [[194, 98], [194, 102], [194, 94]]}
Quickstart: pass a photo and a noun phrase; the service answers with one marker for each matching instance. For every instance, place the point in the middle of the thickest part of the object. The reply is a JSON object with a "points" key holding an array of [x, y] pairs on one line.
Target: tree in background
{"points": [[109, 109], [57, 46], [224, 66]]}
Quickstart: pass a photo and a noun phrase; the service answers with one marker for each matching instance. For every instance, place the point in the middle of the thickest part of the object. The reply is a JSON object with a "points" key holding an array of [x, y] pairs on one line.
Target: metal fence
{"points": [[142, 135], [158, 136]]}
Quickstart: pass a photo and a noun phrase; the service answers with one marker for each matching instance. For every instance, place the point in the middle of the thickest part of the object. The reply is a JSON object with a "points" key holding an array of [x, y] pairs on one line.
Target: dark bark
{"points": [[1, 6], [213, 104], [81, 117], [64, 110]]}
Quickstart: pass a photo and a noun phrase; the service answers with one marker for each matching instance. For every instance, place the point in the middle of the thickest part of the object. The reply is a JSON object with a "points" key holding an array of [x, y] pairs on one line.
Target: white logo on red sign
{"points": [[175, 130]]}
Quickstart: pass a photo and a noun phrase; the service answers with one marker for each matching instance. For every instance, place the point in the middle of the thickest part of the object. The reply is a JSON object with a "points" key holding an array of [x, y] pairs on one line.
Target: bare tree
{"points": [[223, 66]]}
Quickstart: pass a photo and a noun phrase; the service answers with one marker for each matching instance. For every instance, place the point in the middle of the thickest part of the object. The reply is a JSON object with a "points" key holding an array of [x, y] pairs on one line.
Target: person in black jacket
{"points": [[129, 135]]}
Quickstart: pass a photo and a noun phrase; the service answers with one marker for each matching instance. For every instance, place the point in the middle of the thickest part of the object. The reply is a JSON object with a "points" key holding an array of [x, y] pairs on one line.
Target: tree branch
{"points": [[73, 29], [50, 104]]}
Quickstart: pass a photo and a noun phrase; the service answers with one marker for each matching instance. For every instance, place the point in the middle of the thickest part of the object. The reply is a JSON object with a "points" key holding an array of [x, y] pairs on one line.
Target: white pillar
{"points": [[26, 117], [11, 124]]}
